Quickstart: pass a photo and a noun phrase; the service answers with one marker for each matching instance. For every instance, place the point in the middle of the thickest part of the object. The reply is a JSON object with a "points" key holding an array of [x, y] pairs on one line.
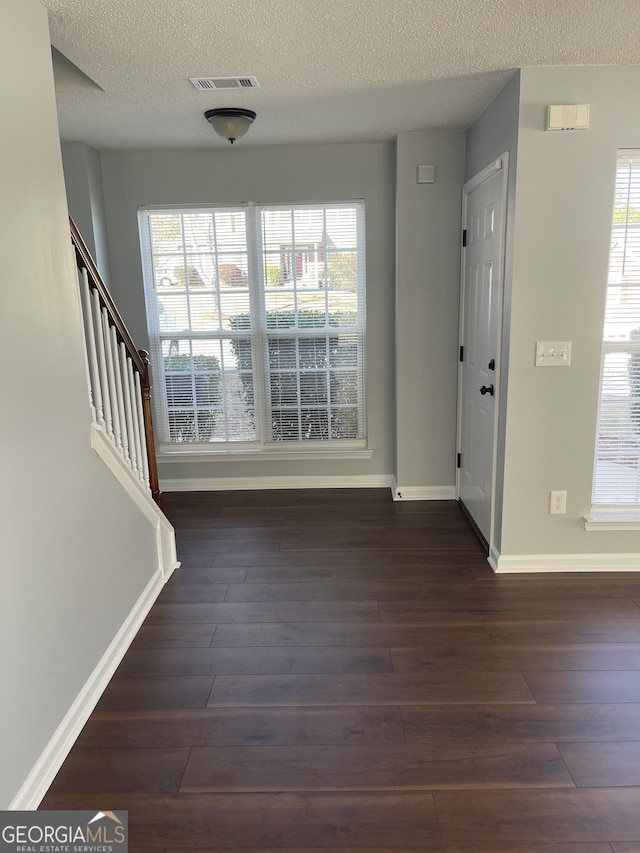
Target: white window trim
{"points": [[613, 517], [265, 454], [259, 450]]}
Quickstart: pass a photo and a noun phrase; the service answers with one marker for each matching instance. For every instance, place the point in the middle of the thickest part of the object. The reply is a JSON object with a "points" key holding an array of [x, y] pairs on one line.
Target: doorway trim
{"points": [[499, 164]]}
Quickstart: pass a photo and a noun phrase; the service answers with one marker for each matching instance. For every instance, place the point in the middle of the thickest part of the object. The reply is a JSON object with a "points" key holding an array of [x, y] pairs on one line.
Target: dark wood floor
{"points": [[329, 669]]}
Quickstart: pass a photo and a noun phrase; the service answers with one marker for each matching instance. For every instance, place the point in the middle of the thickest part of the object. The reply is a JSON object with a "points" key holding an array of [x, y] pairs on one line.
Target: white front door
{"points": [[481, 301]]}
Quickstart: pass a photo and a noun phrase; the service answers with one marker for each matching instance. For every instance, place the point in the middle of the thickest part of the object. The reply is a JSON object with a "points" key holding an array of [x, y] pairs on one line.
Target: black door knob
{"points": [[486, 389]]}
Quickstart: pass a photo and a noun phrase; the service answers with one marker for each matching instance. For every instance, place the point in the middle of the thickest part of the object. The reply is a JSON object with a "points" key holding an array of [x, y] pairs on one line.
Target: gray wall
{"points": [[271, 174], [428, 227], [494, 133], [558, 230], [564, 199], [75, 558], [427, 254], [85, 196]]}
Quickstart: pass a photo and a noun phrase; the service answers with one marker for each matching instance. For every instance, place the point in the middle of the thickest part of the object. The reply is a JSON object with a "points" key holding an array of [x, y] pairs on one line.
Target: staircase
{"points": [[119, 376]]}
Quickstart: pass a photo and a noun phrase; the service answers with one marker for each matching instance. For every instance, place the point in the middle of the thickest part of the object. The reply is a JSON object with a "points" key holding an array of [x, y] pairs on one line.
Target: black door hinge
{"points": [[461, 353], [464, 237], [459, 462]]}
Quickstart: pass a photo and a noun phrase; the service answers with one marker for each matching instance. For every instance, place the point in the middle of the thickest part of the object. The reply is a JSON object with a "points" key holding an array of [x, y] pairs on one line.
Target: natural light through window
{"points": [[256, 317], [617, 467]]}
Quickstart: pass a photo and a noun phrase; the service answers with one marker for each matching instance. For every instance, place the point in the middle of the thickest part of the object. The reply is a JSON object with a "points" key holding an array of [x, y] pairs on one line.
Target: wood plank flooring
{"points": [[330, 670]]}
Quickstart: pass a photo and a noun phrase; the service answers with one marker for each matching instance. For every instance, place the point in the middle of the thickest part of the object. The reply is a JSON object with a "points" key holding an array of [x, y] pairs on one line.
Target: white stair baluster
{"points": [[136, 425], [90, 339], [102, 363], [133, 459], [121, 408], [119, 395], [86, 352], [143, 434], [111, 374]]}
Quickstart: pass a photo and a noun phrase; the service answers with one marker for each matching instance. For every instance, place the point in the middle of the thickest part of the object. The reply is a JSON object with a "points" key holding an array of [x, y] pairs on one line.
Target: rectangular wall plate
{"points": [[426, 175], [567, 117], [558, 503], [553, 353]]}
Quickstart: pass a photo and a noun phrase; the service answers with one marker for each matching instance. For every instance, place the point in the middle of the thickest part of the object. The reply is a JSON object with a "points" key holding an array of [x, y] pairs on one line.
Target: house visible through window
{"points": [[617, 468], [256, 318]]}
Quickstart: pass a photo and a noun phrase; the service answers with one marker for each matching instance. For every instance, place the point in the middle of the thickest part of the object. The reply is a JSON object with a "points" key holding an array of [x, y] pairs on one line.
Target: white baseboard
{"points": [[51, 759], [422, 493], [493, 558], [43, 772], [535, 563], [225, 484]]}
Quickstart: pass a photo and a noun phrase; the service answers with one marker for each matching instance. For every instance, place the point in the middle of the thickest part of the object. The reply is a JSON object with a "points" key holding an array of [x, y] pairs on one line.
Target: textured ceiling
{"points": [[329, 70]]}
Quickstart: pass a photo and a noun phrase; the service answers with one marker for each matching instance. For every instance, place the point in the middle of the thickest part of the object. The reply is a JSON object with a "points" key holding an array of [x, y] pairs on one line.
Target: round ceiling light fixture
{"points": [[230, 122]]}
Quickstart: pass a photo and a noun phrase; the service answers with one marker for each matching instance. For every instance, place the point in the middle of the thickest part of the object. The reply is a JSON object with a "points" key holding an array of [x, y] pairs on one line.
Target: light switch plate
{"points": [[553, 353]]}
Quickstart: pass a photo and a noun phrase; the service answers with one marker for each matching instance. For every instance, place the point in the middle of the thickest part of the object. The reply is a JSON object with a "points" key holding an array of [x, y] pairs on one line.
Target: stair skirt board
{"points": [[44, 771], [165, 534]]}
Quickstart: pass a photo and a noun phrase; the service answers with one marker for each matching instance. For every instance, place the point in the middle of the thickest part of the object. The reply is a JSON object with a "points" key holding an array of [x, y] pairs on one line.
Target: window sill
{"points": [[612, 519], [263, 455]]}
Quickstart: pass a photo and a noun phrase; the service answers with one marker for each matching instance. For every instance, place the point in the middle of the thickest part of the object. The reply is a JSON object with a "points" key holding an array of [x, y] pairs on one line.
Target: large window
{"points": [[256, 318], [617, 470]]}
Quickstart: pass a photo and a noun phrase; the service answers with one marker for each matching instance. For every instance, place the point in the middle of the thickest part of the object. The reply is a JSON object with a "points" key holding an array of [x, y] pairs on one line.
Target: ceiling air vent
{"points": [[209, 84]]}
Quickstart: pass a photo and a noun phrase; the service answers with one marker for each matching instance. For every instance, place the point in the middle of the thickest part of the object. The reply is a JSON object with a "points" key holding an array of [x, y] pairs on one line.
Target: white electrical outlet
{"points": [[558, 503]]}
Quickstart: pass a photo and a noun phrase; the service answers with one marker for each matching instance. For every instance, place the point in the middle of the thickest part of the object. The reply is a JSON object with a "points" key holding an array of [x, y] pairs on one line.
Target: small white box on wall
{"points": [[567, 117], [426, 175]]}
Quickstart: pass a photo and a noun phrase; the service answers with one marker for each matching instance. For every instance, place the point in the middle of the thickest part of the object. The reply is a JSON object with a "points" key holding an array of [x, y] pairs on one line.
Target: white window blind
{"points": [[617, 468], [256, 318]]}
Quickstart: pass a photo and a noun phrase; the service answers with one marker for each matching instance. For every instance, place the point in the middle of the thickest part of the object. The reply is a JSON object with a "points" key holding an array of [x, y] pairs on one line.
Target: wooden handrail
{"points": [[139, 358], [148, 430], [84, 259]]}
